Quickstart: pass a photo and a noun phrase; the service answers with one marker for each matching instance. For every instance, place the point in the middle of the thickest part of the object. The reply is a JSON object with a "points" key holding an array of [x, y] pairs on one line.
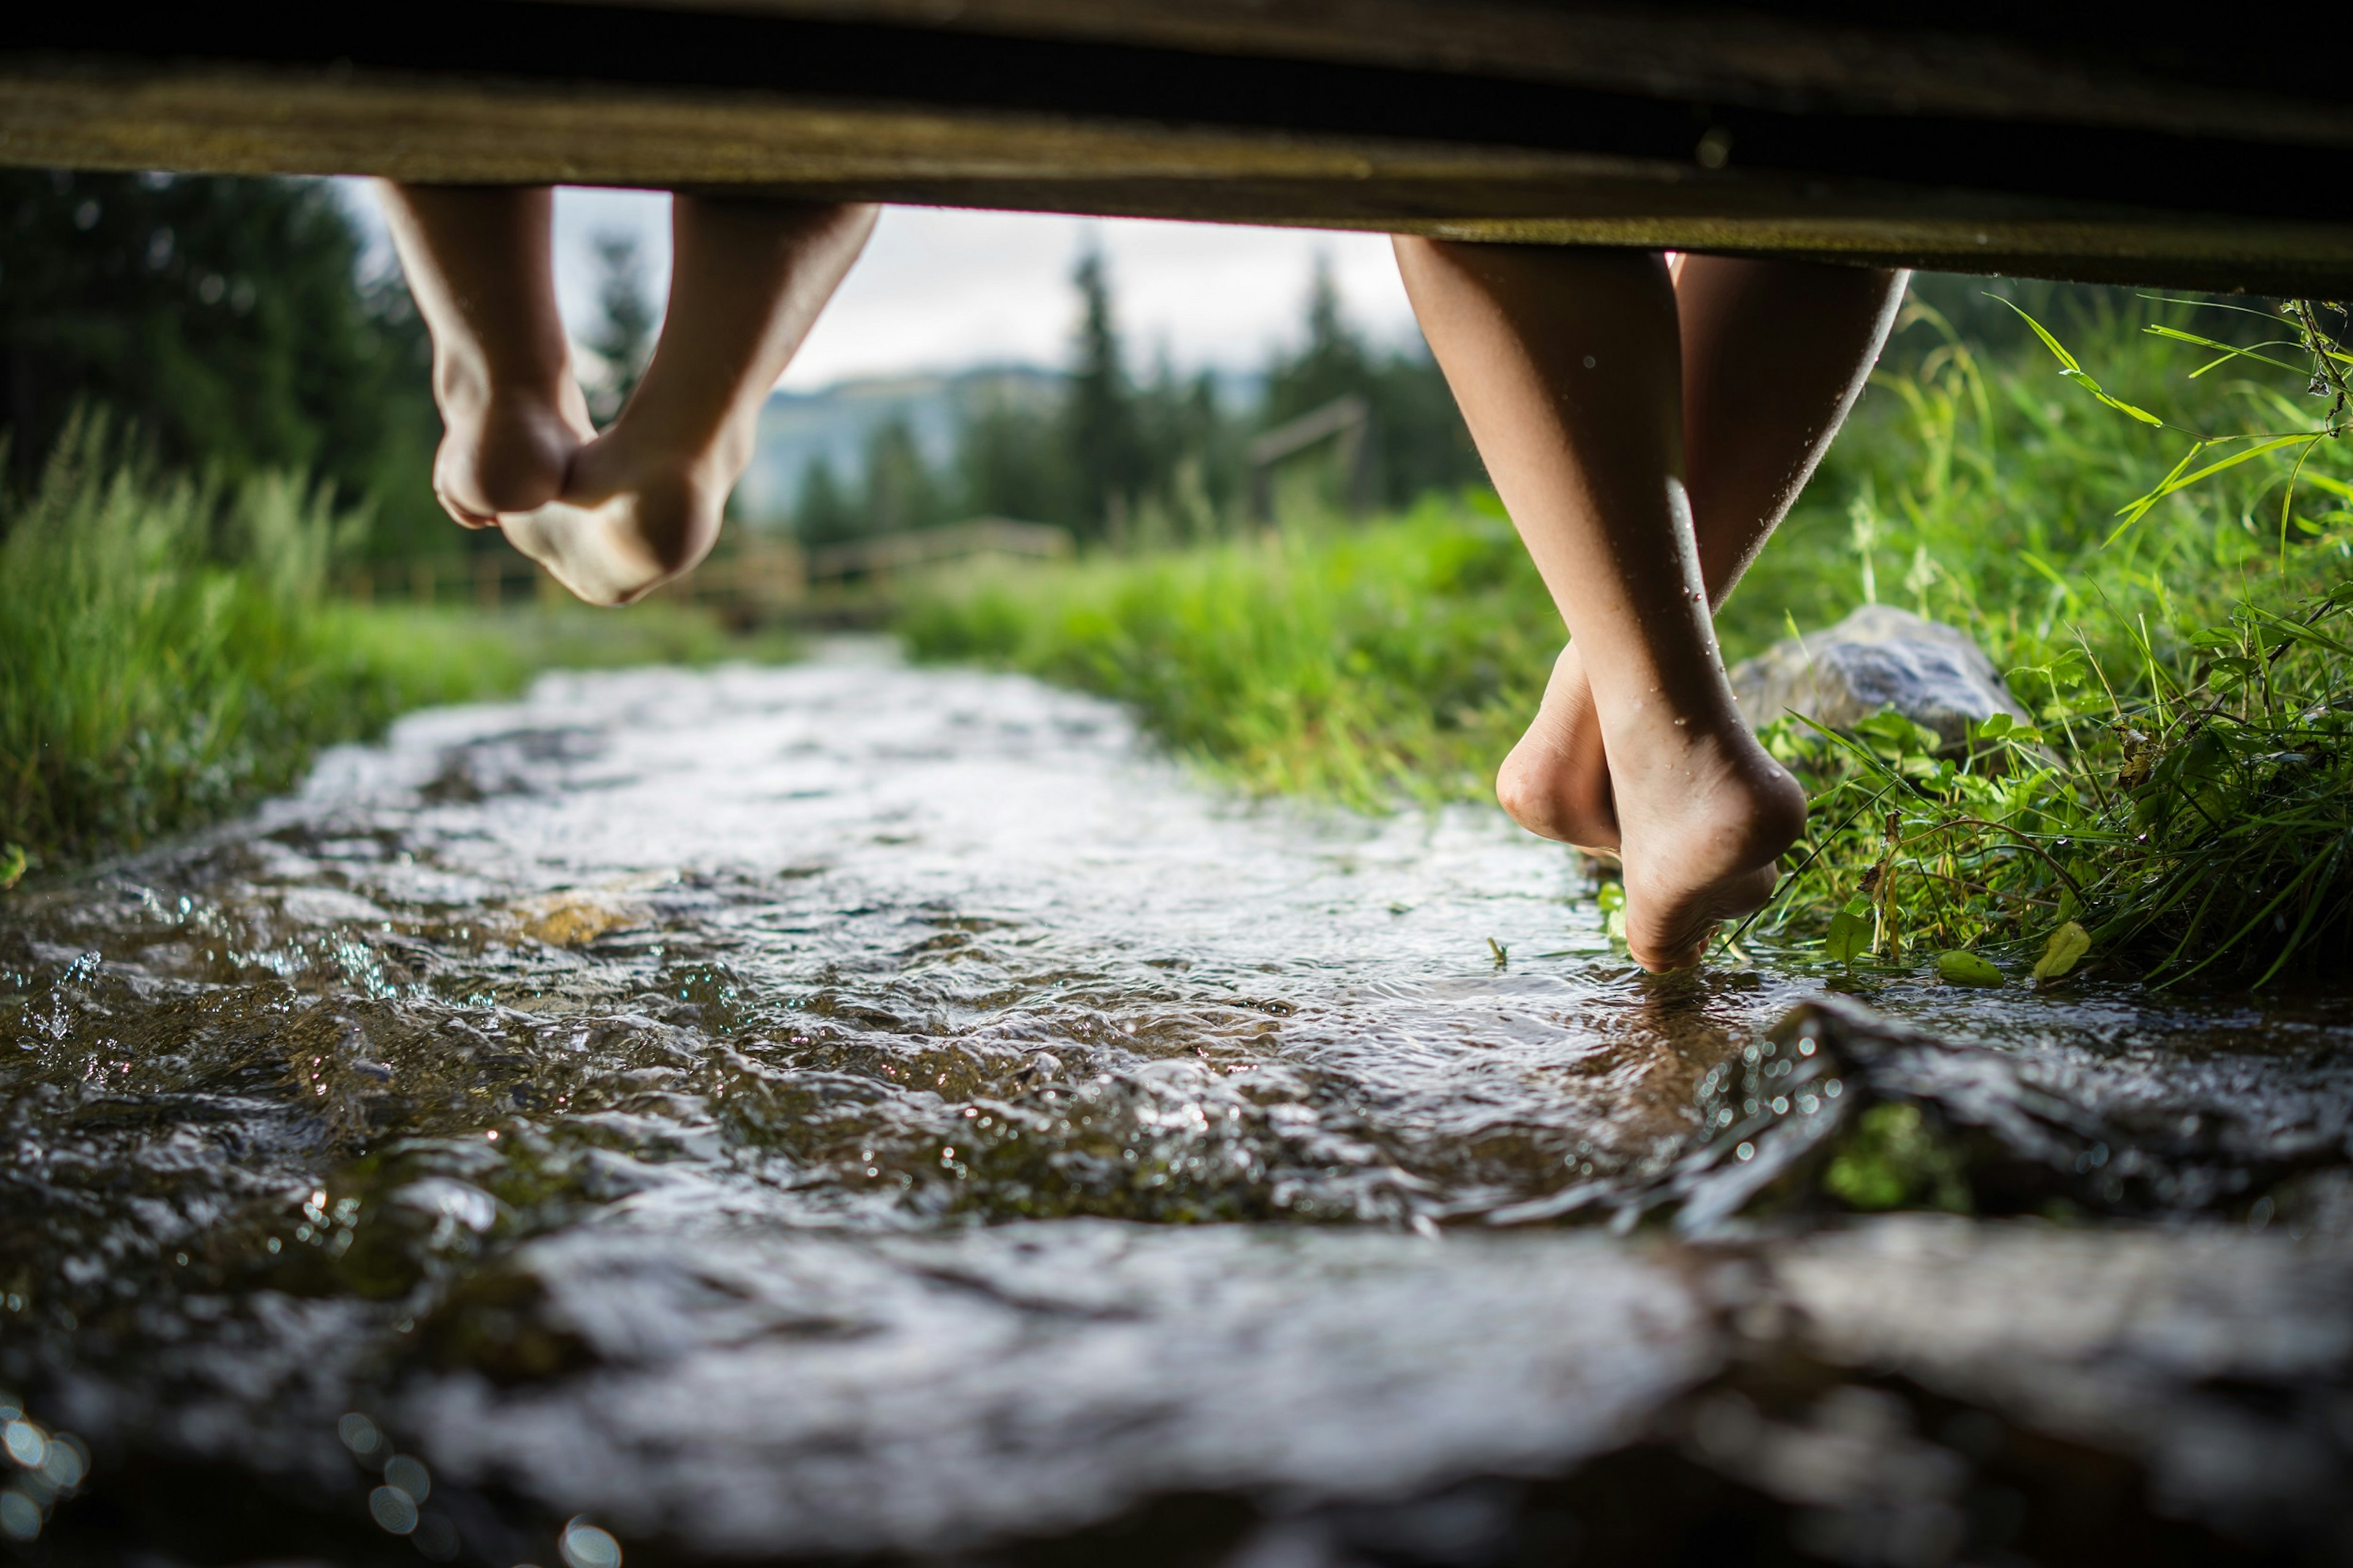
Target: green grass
{"points": [[2186, 800], [168, 653], [1361, 664]]}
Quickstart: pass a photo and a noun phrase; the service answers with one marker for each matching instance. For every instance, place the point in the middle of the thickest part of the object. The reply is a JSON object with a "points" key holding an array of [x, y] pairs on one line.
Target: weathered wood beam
{"points": [[2051, 150]]}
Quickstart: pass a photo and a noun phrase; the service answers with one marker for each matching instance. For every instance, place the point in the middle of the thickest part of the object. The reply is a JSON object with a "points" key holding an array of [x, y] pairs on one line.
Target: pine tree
{"points": [[224, 320], [1334, 363], [1419, 440], [823, 514], [901, 493], [623, 338], [1100, 423]]}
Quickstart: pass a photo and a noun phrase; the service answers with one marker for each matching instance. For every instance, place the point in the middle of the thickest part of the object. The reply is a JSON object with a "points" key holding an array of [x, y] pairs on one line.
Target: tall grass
{"points": [[168, 650], [2184, 803], [1363, 665], [2184, 798], [162, 653]]}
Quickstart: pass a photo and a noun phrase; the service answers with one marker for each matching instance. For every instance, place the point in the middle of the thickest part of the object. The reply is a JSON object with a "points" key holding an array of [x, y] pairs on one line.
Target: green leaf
{"points": [[1957, 968], [2073, 370], [12, 866], [1992, 727], [2299, 632], [2068, 945], [1897, 737], [1612, 900], [2119, 404], [1850, 933], [2178, 480], [2227, 350], [2053, 345]]}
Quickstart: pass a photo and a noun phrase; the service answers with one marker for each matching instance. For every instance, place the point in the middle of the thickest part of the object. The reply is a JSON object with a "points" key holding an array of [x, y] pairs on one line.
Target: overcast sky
{"points": [[941, 289]]}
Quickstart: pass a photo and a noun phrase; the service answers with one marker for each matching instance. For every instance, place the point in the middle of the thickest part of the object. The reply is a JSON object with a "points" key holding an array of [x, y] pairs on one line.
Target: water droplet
{"points": [[359, 1433], [20, 1516], [585, 1546], [392, 1509], [68, 1462], [25, 1443], [409, 1474]]}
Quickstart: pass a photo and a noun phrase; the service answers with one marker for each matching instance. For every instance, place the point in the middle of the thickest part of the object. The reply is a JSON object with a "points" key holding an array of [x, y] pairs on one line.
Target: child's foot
{"points": [[504, 451], [1556, 783], [1703, 816], [631, 517]]}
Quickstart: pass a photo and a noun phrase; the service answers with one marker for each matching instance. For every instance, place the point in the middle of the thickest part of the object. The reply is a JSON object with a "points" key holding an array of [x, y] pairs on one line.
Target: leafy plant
{"points": [[2185, 801], [166, 653]]}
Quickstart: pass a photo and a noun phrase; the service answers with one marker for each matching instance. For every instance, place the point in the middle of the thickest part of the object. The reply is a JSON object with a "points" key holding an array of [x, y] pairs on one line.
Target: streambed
{"points": [[855, 1111]]}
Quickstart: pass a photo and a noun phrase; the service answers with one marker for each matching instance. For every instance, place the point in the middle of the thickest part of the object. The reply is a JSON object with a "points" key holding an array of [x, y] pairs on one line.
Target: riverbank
{"points": [[2183, 798], [168, 651]]}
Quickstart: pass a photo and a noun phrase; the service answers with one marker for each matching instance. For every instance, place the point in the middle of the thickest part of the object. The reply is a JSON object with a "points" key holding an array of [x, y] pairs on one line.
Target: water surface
{"points": [[854, 1110]]}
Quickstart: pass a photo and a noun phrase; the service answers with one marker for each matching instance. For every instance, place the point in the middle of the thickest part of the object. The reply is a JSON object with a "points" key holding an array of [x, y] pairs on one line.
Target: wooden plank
{"points": [[2027, 150], [2085, 64]]}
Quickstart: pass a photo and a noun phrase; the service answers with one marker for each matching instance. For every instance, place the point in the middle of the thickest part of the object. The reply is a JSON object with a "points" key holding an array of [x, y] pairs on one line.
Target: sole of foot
{"points": [[623, 525], [1556, 783], [509, 456], [1703, 823]]}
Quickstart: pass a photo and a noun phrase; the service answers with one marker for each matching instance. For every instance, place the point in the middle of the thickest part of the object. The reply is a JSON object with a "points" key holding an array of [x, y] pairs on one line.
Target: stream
{"points": [[855, 1112]]}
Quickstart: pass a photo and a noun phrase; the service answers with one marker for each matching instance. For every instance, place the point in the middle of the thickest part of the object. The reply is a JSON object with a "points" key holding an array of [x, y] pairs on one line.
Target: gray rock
{"points": [[1879, 655]]}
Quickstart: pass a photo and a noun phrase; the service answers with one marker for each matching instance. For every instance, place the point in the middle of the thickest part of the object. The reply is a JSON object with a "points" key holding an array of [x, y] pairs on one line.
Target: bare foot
{"points": [[1556, 783], [1705, 816], [504, 450], [632, 515]]}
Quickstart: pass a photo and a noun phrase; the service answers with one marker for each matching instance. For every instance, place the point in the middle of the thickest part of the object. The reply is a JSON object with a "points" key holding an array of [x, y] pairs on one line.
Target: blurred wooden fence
{"points": [[758, 577]]}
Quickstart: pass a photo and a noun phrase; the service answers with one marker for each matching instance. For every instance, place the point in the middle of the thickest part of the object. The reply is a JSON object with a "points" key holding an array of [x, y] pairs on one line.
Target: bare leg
{"points": [[1774, 354], [478, 260], [1568, 368], [641, 503]]}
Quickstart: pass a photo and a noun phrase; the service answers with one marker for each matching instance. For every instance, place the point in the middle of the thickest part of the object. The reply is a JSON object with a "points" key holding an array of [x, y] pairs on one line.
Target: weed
{"points": [[2184, 801], [167, 653]]}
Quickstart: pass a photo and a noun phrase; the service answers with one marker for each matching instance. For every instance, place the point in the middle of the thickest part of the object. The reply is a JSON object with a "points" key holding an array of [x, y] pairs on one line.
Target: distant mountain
{"points": [[797, 428]]}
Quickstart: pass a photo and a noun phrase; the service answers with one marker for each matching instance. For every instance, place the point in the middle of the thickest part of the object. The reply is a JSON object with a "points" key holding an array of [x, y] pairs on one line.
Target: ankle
{"points": [[467, 384], [645, 440]]}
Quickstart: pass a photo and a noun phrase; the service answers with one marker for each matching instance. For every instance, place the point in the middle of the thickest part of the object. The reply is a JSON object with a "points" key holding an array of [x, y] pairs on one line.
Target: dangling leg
{"points": [[1774, 354], [479, 263], [642, 502], [1568, 368]]}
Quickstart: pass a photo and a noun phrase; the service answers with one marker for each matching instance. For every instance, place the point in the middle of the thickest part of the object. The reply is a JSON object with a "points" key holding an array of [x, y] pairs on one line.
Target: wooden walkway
{"points": [[2087, 141], [762, 578]]}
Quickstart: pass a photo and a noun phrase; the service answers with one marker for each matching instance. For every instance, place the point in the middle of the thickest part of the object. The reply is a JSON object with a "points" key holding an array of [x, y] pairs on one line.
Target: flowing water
{"points": [[853, 1111]]}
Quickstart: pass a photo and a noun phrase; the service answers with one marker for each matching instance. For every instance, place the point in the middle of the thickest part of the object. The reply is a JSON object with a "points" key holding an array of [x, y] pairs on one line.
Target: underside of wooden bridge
{"points": [[2087, 142]]}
